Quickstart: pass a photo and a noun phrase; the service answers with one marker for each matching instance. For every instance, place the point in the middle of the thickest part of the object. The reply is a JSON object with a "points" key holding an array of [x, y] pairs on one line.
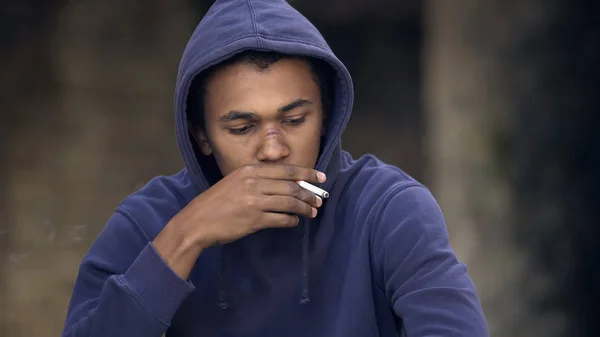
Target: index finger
{"points": [[289, 172]]}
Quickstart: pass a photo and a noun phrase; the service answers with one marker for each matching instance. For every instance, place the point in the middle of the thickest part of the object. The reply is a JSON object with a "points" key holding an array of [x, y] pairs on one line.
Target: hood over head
{"points": [[233, 26]]}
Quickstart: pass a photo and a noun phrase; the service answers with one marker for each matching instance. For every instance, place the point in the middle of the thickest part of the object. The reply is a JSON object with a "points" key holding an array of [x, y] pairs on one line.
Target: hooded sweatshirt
{"points": [[375, 262]]}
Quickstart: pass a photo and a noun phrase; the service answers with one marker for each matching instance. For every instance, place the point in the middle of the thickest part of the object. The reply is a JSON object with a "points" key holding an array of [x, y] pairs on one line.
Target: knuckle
{"points": [[303, 195], [309, 197], [250, 183], [284, 220], [250, 201], [290, 221], [290, 170], [290, 203], [308, 210], [246, 170], [294, 188], [277, 201]]}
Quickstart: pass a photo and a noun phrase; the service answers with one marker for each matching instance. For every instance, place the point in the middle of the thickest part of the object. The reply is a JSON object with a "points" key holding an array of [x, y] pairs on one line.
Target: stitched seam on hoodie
{"points": [[388, 197], [267, 37], [254, 23], [133, 221], [284, 39]]}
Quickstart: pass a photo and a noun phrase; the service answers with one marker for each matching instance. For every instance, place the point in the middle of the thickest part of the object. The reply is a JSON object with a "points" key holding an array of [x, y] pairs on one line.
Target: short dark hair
{"points": [[262, 60]]}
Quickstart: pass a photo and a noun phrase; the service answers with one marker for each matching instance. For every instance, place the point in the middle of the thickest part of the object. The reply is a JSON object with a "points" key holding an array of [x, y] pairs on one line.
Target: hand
{"points": [[251, 198]]}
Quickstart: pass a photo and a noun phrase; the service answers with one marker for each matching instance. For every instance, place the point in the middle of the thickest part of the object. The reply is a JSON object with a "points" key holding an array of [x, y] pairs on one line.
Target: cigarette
{"points": [[318, 191]]}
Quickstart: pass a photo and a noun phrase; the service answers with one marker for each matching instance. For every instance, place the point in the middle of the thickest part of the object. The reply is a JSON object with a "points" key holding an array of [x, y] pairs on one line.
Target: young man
{"points": [[233, 246]]}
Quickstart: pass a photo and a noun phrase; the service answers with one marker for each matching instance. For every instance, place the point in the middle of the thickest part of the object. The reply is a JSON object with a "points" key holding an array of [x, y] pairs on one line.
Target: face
{"points": [[257, 116]]}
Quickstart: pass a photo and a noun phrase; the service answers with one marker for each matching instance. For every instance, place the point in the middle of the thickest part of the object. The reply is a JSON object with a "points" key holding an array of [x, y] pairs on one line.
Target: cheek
{"points": [[229, 153], [305, 145]]}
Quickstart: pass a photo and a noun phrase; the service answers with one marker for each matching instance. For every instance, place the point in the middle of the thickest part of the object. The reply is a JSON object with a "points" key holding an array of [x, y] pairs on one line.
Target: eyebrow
{"points": [[249, 115], [294, 105]]}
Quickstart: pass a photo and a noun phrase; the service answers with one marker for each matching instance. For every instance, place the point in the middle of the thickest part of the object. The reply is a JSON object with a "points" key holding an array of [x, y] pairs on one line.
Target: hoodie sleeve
{"points": [[429, 289], [123, 288]]}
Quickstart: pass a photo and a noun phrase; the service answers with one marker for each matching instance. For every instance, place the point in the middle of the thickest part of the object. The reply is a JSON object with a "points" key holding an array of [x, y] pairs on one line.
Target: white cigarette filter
{"points": [[318, 191]]}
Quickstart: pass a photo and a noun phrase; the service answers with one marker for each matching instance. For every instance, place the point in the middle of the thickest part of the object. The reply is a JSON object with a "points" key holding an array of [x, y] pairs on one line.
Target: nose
{"points": [[273, 149]]}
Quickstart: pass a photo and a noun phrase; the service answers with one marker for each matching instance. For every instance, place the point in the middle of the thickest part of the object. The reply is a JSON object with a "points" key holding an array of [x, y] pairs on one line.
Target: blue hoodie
{"points": [[375, 262]]}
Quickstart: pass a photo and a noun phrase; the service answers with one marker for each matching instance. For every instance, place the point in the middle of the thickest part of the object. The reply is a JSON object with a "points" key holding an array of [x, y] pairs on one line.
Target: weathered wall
{"points": [[509, 110], [468, 116], [98, 130]]}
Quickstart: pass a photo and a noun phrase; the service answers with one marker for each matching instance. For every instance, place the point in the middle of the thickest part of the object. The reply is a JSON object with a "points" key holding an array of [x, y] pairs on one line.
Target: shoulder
{"points": [[370, 174], [411, 210], [387, 197], [155, 203], [373, 182]]}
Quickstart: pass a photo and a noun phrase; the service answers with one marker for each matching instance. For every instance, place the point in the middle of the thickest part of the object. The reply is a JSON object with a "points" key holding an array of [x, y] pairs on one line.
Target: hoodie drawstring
{"points": [[305, 241], [222, 301], [305, 297]]}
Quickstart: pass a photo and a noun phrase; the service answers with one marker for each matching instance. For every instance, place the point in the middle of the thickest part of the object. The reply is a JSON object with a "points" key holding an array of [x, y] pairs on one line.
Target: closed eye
{"points": [[241, 130], [295, 121]]}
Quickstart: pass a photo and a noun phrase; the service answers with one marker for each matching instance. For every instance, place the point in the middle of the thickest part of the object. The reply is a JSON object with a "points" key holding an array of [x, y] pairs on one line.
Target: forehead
{"points": [[244, 86]]}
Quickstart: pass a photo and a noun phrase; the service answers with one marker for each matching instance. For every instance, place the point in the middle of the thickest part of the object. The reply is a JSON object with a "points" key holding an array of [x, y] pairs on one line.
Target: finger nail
{"points": [[314, 212], [319, 201], [321, 176]]}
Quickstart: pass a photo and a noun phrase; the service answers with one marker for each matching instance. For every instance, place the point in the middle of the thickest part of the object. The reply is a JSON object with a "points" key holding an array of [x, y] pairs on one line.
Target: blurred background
{"points": [[489, 103]]}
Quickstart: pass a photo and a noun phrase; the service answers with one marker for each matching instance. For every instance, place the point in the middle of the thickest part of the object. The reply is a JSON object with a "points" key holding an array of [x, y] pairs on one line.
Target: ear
{"points": [[201, 139]]}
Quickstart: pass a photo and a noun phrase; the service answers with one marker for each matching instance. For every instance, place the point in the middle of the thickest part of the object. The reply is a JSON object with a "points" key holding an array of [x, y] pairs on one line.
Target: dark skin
{"points": [[264, 129]]}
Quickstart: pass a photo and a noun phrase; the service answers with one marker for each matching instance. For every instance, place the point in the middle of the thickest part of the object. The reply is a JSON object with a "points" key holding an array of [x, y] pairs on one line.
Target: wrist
{"points": [[178, 249]]}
